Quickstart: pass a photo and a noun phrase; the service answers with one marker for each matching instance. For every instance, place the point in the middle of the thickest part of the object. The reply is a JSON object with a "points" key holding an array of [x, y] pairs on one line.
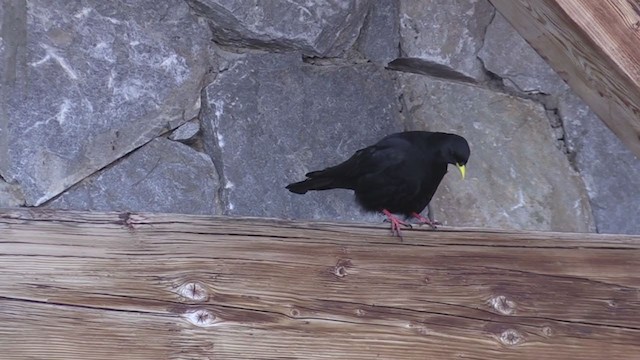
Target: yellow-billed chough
{"points": [[399, 174]]}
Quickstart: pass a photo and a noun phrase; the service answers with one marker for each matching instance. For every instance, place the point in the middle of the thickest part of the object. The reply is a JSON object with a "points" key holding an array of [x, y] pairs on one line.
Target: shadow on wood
{"points": [[139, 286]]}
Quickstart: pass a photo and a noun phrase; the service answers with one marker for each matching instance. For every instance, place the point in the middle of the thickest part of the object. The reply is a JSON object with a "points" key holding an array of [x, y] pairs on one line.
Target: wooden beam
{"points": [[137, 286], [593, 45]]}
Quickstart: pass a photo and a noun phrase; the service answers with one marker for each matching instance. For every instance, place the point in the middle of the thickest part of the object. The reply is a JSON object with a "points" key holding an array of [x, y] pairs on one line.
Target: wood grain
{"points": [[139, 286], [593, 45]]}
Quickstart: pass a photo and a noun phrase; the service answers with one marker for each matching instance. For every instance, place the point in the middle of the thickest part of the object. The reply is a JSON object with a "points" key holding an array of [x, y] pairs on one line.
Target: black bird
{"points": [[399, 174]]}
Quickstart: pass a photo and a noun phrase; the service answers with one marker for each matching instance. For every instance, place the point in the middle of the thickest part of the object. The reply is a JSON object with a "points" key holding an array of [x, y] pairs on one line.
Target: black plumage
{"points": [[399, 174]]}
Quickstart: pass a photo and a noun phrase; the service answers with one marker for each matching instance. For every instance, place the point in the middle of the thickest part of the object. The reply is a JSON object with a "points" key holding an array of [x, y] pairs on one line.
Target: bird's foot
{"points": [[423, 220], [395, 223]]}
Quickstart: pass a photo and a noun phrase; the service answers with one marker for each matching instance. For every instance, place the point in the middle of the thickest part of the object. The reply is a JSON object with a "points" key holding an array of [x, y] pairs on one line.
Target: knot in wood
{"points": [[340, 270], [201, 317], [511, 337], [129, 220], [419, 328], [294, 312], [547, 331], [503, 305], [193, 291]]}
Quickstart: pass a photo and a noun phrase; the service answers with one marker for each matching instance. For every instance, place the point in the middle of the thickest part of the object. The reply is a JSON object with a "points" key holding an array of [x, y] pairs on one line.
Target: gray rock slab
{"points": [[610, 171], [516, 177], [271, 118], [506, 54], [445, 32], [90, 81], [186, 132], [10, 195], [379, 39], [314, 27], [162, 176]]}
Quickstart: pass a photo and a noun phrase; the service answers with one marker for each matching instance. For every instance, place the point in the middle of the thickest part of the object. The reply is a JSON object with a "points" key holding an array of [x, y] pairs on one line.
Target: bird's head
{"points": [[457, 152]]}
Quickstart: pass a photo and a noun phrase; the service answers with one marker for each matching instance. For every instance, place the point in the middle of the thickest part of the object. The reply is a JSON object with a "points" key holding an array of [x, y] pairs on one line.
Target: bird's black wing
{"points": [[346, 175], [376, 158], [392, 176]]}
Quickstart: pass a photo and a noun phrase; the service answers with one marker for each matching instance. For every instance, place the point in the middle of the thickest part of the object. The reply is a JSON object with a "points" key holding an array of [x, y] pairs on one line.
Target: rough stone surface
{"points": [[10, 195], [162, 176], [445, 32], [269, 119], [314, 27], [89, 91], [508, 55], [517, 178], [380, 37], [186, 132], [91, 81], [610, 171]]}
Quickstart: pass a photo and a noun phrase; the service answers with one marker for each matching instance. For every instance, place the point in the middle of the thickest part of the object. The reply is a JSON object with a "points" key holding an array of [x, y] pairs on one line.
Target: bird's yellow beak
{"points": [[462, 169]]}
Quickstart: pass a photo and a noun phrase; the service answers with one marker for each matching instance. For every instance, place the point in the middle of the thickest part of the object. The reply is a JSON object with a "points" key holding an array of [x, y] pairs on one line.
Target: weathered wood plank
{"points": [[117, 286], [593, 45]]}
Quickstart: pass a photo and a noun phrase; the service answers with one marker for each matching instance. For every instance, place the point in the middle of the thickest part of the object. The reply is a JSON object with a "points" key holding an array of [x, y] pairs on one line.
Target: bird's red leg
{"points": [[395, 223], [424, 220]]}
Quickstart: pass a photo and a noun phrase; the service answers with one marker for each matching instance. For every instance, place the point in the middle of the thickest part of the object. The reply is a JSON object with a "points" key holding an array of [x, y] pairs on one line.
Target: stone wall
{"points": [[213, 106]]}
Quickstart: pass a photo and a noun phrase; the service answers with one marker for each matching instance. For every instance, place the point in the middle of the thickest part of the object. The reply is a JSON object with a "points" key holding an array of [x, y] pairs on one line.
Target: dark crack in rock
{"points": [[445, 32], [162, 176], [313, 27], [508, 55], [610, 170], [92, 81], [187, 132]]}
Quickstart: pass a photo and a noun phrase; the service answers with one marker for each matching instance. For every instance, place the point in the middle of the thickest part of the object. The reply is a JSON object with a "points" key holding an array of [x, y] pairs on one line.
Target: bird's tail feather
{"points": [[319, 183], [334, 177]]}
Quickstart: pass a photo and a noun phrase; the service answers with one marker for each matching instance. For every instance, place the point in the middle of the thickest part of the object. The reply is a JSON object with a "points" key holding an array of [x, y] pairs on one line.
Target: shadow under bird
{"points": [[397, 175]]}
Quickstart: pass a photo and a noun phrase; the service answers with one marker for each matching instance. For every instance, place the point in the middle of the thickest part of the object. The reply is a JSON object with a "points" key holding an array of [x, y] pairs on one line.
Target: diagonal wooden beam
{"points": [[77, 285], [595, 47]]}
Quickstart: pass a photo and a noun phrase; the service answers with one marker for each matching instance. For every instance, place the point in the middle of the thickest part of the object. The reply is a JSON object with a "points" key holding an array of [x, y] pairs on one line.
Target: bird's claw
{"points": [[423, 220], [395, 224], [395, 227], [410, 226]]}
